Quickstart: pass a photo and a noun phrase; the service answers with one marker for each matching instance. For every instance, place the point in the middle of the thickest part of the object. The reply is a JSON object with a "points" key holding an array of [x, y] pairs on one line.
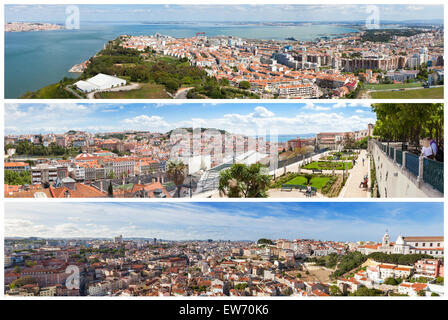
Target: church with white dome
{"points": [[432, 245], [398, 247]]}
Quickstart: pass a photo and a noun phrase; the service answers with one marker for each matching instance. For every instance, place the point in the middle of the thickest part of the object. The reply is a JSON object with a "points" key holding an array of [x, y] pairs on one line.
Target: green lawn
{"points": [[52, 91], [326, 165], [392, 86], [316, 182], [340, 158], [147, 91], [430, 93]]}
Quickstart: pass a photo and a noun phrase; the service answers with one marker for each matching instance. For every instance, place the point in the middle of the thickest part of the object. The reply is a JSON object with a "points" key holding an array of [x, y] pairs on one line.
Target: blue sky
{"points": [[342, 221], [135, 13], [244, 118]]}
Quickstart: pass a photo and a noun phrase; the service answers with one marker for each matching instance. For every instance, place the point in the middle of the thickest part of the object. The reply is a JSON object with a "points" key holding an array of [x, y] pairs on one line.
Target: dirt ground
{"points": [[316, 274]]}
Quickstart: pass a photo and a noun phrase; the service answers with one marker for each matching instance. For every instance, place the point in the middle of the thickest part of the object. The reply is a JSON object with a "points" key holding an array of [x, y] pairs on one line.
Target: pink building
{"points": [[429, 268]]}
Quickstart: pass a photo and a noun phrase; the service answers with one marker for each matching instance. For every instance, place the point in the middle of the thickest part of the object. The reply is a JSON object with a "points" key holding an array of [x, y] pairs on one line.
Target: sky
{"points": [[238, 118], [338, 221], [136, 13]]}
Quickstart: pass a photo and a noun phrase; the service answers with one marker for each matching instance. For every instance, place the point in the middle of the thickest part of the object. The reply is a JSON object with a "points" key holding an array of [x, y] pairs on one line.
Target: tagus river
{"points": [[36, 59]]}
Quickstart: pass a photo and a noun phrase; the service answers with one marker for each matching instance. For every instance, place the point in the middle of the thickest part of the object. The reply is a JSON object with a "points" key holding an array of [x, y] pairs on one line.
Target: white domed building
{"points": [[431, 245], [400, 246]]}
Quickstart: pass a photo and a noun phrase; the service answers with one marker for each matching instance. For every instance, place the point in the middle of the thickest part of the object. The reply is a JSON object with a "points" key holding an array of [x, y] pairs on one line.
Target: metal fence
{"points": [[391, 152], [399, 157], [297, 158], [433, 173], [412, 163]]}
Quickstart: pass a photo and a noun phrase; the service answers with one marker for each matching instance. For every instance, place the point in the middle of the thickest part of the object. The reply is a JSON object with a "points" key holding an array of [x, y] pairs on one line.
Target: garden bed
{"points": [[328, 165]]}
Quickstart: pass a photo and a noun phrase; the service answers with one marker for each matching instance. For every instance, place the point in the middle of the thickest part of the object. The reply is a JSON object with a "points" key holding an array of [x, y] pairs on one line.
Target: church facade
{"points": [[432, 245]]}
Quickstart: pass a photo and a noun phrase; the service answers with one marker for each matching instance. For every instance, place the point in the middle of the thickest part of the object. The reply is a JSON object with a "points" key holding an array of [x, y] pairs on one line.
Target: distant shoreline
{"points": [[32, 26]]}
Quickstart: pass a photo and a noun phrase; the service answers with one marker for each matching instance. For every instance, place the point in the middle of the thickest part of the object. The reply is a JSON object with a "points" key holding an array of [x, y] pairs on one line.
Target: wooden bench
{"points": [[316, 170], [287, 187]]}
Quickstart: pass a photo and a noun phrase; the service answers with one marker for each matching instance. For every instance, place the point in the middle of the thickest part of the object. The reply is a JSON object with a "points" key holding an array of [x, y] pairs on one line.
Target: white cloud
{"points": [[144, 122], [312, 106], [263, 112], [179, 221], [357, 104]]}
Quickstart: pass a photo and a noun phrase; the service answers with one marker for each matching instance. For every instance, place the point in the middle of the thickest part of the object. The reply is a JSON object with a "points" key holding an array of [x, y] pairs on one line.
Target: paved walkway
{"points": [[128, 87], [182, 93], [357, 173]]}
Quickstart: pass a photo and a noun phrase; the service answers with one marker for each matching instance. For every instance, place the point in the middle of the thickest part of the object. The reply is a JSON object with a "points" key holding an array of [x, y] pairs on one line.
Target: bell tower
{"points": [[386, 240]]}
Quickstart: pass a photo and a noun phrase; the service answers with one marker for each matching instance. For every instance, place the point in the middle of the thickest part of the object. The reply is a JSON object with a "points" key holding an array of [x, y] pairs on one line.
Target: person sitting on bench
{"points": [[363, 183], [308, 191]]}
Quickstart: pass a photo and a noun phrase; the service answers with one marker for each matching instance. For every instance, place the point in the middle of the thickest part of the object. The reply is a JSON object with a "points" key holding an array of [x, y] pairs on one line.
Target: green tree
{"points": [[364, 291], [244, 85], [241, 286], [243, 181], [17, 178], [308, 177], [224, 82], [421, 293], [177, 170], [29, 263], [349, 142], [110, 190], [335, 291], [265, 241], [408, 122], [22, 281]]}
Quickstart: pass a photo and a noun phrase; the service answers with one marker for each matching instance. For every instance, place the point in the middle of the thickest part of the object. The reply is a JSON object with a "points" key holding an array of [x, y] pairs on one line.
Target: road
{"points": [[132, 86], [67, 88], [182, 93]]}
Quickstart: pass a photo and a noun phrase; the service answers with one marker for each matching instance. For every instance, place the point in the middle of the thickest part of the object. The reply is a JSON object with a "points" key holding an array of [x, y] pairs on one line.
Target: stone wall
{"points": [[394, 181]]}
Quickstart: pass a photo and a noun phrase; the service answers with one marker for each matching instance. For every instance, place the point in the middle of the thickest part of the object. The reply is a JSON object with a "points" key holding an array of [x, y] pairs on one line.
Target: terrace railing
{"points": [[399, 157], [433, 173], [412, 163], [424, 169]]}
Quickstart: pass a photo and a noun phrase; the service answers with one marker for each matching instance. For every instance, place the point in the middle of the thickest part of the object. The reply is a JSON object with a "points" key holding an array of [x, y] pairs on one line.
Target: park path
{"points": [[128, 87], [352, 189], [182, 93]]}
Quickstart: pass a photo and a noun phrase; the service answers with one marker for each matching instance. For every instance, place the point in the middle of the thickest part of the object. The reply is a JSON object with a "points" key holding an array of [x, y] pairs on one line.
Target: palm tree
{"points": [[243, 181], [176, 170]]}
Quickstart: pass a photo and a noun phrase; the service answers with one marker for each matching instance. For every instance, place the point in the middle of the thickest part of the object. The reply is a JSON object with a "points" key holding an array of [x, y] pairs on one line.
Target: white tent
{"points": [[99, 82]]}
